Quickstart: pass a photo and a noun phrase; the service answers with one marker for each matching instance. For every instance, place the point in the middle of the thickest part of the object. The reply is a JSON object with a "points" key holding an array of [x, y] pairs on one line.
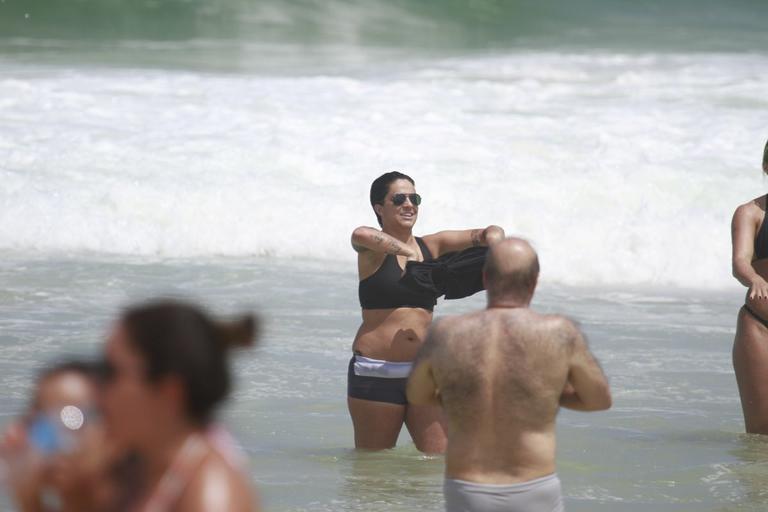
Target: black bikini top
{"points": [[761, 240], [383, 290]]}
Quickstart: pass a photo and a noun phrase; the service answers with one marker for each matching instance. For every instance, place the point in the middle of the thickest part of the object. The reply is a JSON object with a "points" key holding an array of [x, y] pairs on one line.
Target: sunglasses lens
{"points": [[399, 199]]}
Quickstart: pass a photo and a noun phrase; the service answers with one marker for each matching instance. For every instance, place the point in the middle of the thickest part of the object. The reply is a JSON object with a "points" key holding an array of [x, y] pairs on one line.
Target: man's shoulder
{"points": [[469, 324], [553, 320], [555, 328], [560, 326], [531, 317], [456, 322], [557, 321]]}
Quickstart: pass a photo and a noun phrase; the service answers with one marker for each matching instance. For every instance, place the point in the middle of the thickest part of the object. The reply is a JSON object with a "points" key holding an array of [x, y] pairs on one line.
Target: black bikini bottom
{"points": [[375, 389], [755, 315]]}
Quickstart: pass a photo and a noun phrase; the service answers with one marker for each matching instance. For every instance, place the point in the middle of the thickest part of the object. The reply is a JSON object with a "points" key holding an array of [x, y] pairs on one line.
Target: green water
{"points": [[237, 34]]}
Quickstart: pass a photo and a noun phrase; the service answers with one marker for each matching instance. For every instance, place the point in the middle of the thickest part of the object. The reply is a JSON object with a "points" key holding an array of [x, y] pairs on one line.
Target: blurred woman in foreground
{"points": [[166, 371]]}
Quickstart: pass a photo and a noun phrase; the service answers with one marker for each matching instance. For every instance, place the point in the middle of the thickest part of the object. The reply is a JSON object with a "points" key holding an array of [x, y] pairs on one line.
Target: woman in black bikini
{"points": [[395, 318], [750, 347]]}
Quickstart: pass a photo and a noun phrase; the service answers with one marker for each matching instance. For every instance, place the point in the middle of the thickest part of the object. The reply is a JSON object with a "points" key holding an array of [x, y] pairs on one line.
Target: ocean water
{"points": [[672, 441], [223, 150], [620, 168]]}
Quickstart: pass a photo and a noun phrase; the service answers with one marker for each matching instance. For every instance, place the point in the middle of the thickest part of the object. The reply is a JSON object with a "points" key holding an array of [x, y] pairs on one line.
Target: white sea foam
{"points": [[622, 169]]}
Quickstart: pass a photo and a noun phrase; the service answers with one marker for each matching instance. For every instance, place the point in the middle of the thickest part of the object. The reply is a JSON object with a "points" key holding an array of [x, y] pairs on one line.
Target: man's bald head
{"points": [[511, 270]]}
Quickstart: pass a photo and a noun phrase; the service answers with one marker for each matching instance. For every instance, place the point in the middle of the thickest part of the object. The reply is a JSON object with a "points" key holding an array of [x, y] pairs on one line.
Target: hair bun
{"points": [[241, 332]]}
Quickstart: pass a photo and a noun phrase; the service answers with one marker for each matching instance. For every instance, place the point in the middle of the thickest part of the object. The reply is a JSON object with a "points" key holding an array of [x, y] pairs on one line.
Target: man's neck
{"points": [[507, 303]]}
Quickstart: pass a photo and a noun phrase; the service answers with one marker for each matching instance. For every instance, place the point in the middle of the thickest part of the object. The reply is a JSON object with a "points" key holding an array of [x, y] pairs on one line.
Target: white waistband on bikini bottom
{"points": [[367, 367]]}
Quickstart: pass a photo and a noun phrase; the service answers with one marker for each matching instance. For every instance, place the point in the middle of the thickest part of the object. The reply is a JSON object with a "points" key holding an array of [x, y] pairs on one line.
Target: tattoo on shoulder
{"points": [[477, 237]]}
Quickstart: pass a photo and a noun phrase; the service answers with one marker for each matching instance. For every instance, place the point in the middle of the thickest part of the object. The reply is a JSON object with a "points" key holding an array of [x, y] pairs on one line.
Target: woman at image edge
{"points": [[750, 347], [395, 319]]}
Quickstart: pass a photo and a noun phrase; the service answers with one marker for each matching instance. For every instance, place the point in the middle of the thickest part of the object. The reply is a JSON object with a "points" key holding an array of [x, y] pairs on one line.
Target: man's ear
{"points": [[378, 209], [534, 285]]}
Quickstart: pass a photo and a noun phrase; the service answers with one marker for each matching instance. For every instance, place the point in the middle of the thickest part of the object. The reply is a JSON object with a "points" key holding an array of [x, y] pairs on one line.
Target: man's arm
{"points": [[587, 387], [422, 388]]}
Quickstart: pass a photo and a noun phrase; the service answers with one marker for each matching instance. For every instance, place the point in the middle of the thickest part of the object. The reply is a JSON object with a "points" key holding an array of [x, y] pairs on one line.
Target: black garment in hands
{"points": [[455, 275]]}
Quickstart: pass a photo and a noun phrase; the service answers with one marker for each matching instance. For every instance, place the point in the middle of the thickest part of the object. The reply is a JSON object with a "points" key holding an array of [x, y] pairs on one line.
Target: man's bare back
{"points": [[501, 375]]}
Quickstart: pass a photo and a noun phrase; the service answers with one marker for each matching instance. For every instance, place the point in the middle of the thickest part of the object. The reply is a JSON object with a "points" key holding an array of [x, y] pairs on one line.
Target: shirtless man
{"points": [[501, 375]]}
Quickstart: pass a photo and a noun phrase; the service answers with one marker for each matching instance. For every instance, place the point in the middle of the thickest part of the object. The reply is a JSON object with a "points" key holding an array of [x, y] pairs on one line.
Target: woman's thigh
{"points": [[750, 363]]}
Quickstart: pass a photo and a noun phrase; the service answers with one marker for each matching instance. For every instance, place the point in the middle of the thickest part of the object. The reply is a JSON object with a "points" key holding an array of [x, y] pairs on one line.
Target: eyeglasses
{"points": [[399, 199]]}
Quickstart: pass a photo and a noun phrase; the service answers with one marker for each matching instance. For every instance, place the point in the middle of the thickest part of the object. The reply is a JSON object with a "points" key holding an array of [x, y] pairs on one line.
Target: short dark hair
{"points": [[380, 188], [180, 339], [516, 283]]}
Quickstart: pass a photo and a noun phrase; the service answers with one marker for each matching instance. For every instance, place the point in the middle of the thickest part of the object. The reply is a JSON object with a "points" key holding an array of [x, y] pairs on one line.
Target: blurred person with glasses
{"points": [[57, 457]]}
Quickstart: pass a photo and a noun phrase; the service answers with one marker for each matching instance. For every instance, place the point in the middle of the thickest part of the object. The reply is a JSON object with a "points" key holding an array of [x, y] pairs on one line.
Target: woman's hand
{"points": [[78, 474], [414, 256], [25, 468], [410, 257], [758, 289], [14, 439], [492, 234]]}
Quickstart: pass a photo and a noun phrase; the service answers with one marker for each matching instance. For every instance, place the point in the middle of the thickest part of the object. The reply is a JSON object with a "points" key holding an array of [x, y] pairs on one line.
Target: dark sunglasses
{"points": [[399, 199]]}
